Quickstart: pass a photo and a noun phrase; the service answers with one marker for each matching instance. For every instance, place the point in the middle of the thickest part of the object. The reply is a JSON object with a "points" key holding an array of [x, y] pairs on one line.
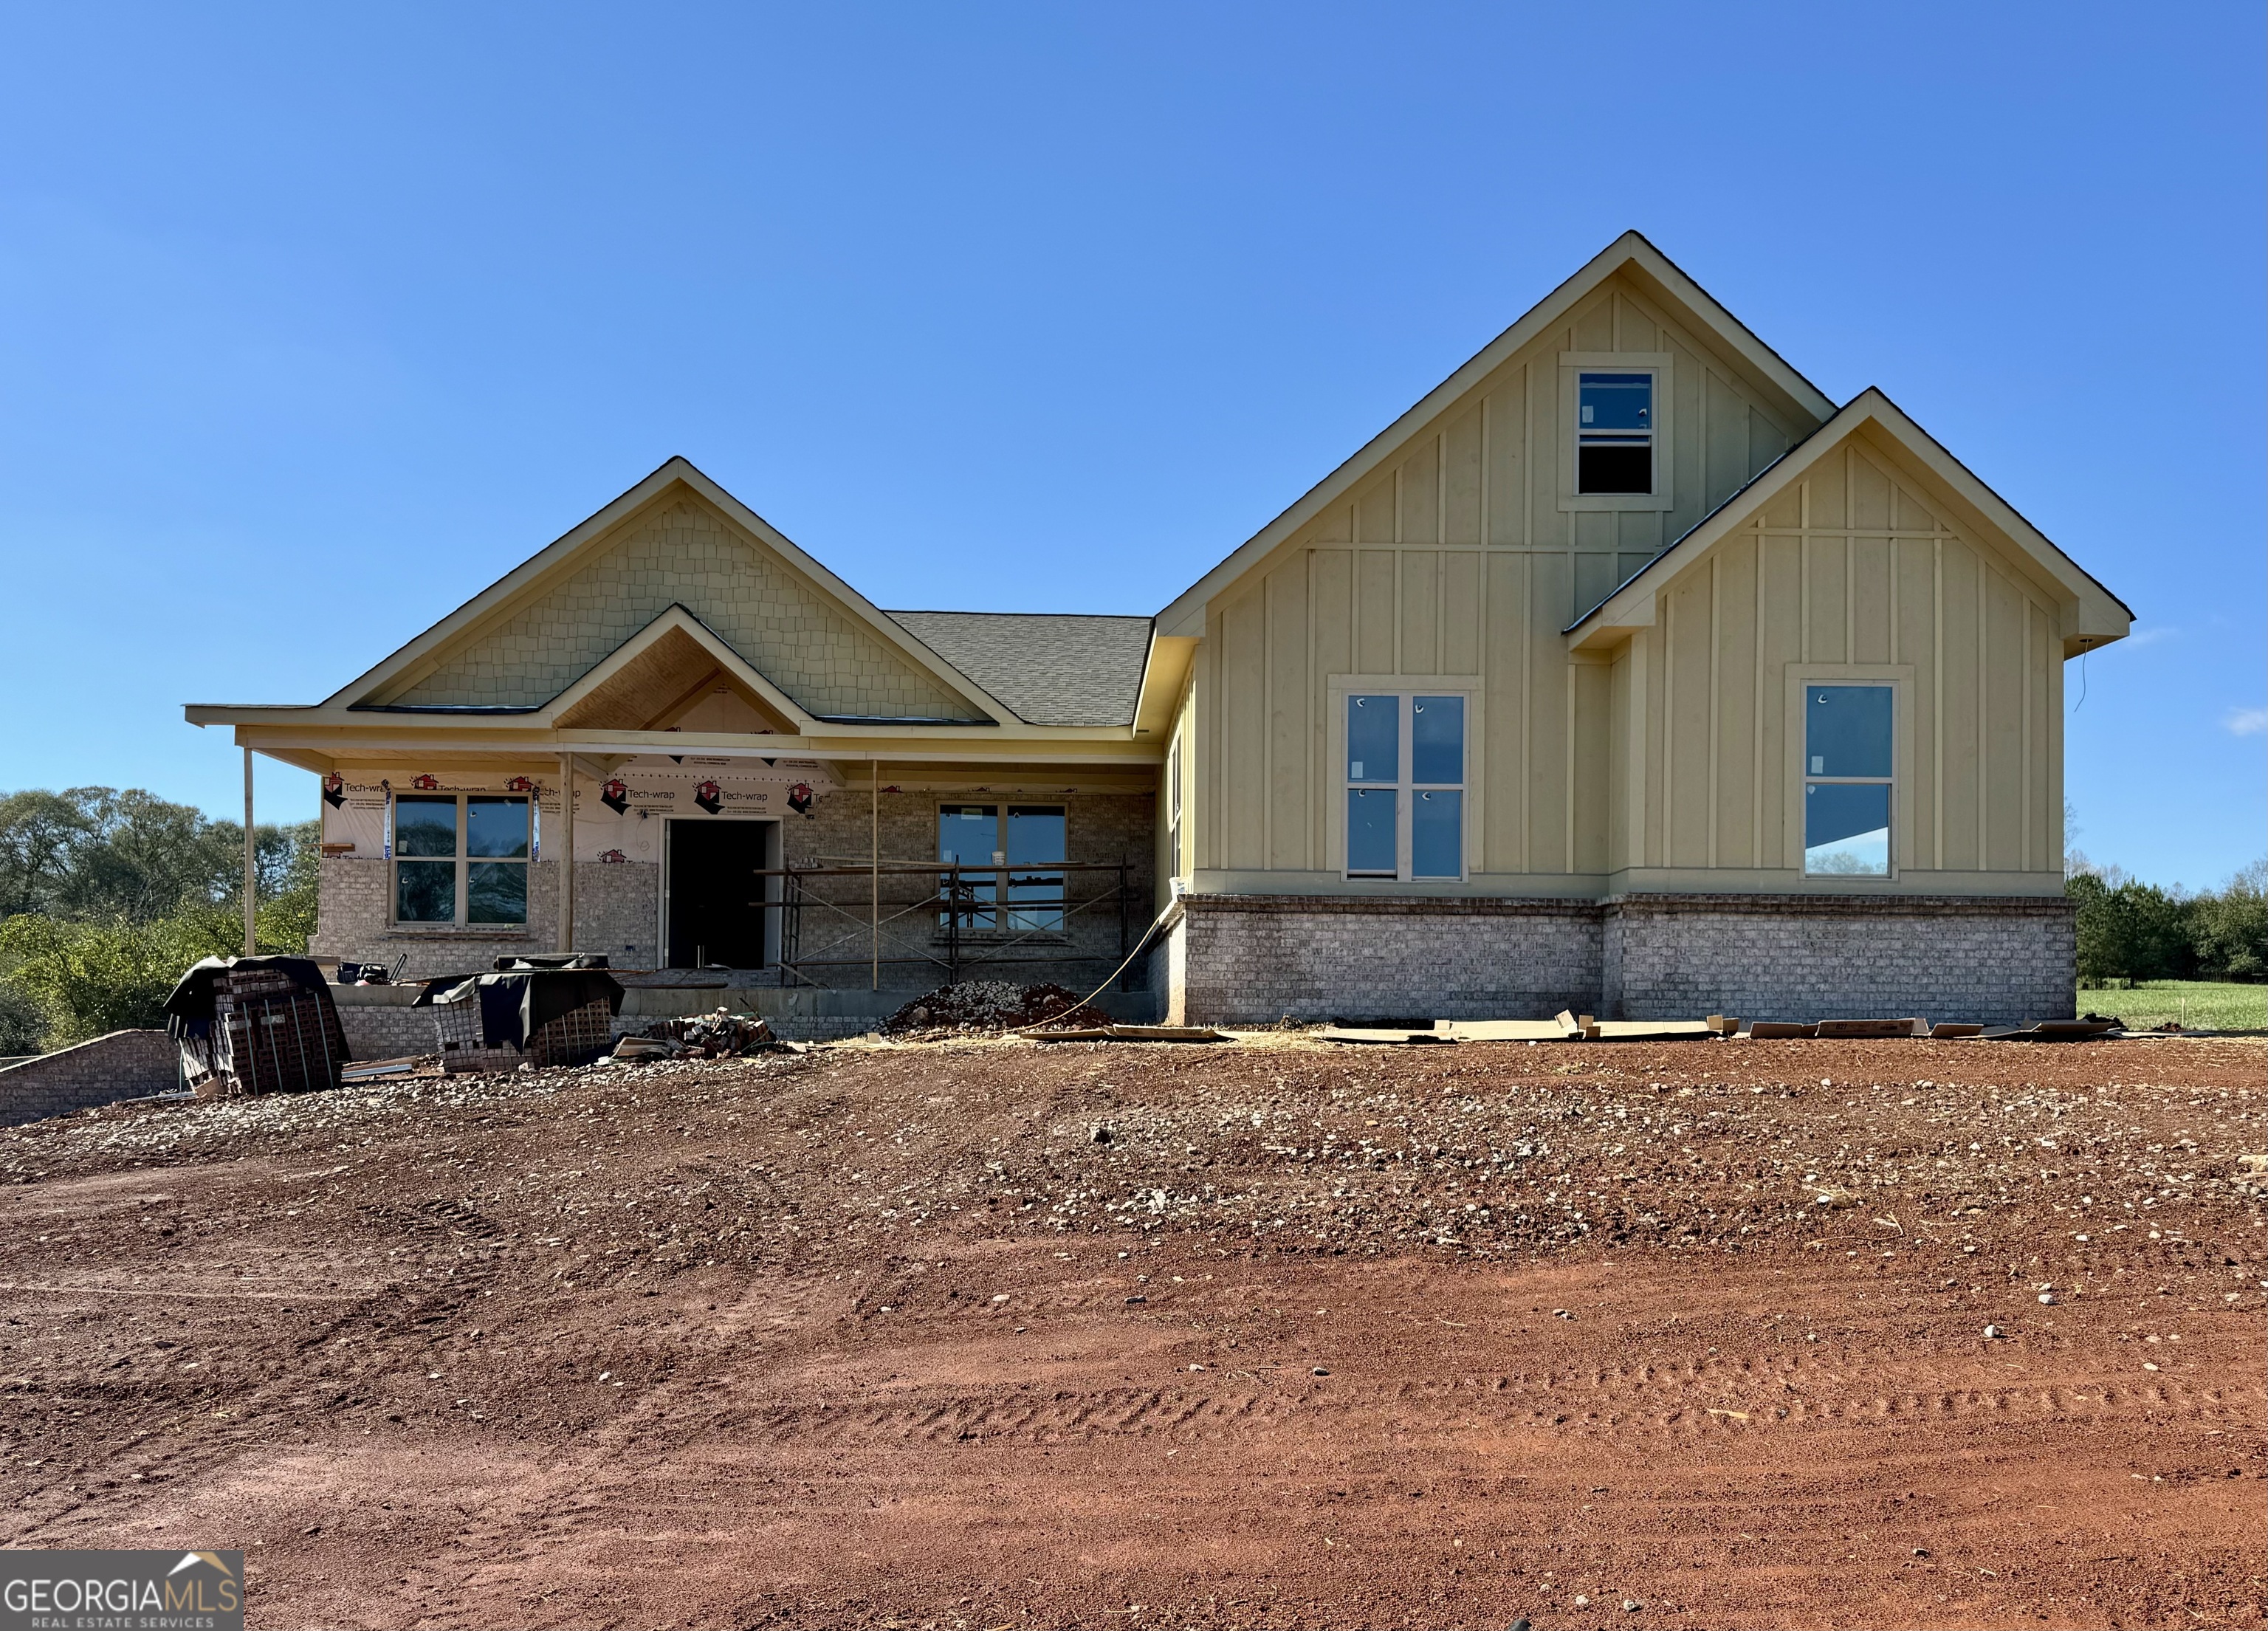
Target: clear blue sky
{"points": [[315, 319]]}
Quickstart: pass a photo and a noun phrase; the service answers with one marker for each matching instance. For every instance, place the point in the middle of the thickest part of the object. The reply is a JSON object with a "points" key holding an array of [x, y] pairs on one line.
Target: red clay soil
{"points": [[1690, 1334]]}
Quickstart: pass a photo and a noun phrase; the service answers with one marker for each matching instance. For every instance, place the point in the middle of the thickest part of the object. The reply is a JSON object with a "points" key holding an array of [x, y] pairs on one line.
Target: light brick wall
{"points": [[1252, 959], [1998, 959], [1246, 959], [616, 908], [124, 1064]]}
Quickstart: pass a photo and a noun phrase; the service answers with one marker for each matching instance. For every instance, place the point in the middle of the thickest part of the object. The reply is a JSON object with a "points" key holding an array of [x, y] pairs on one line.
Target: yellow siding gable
{"points": [[684, 552]]}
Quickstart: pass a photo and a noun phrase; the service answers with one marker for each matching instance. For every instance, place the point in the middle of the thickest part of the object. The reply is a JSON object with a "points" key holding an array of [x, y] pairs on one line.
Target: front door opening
{"points": [[716, 912]]}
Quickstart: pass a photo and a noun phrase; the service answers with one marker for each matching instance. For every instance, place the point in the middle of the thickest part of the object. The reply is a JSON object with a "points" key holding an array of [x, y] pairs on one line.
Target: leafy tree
{"points": [[145, 858], [91, 978], [107, 896], [40, 836], [24, 1023], [2128, 930], [2229, 931]]}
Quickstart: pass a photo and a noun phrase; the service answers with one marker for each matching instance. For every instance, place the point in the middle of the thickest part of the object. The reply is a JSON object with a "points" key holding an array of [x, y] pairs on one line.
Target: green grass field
{"points": [[2203, 1004]]}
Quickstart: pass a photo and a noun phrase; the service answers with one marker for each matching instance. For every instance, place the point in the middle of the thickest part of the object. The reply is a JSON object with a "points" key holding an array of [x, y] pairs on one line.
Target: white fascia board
{"points": [[2095, 616]]}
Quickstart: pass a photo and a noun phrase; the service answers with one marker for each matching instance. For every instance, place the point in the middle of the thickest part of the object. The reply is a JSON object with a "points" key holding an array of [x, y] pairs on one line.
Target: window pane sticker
{"points": [[495, 827], [1436, 740], [1846, 730], [1371, 836], [1436, 835], [495, 891], [425, 891], [1035, 834], [1846, 829], [424, 826], [1373, 739], [1614, 401]]}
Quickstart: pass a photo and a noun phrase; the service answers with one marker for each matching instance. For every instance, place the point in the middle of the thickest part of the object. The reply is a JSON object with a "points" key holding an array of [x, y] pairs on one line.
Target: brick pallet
{"points": [[271, 1034]]}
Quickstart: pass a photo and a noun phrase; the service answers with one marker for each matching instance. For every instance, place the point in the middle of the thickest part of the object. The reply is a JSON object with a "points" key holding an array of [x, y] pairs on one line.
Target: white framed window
{"points": [[1173, 807], [997, 846], [1614, 432], [1850, 739], [461, 858], [1616, 454], [1403, 787]]}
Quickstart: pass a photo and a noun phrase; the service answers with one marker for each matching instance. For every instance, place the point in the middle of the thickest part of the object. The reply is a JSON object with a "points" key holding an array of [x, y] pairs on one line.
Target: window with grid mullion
{"points": [[1404, 785]]}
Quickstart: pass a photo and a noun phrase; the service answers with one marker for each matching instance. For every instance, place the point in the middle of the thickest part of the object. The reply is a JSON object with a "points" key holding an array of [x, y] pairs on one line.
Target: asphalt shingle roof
{"points": [[1049, 668]]}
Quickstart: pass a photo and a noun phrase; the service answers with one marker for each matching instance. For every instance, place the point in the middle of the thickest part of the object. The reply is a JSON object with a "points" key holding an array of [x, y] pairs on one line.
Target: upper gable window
{"points": [[1617, 431], [1614, 434]]}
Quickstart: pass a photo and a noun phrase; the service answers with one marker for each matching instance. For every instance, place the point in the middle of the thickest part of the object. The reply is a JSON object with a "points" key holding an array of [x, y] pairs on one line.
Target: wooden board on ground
{"points": [[1130, 1033], [1505, 1031], [1780, 1030], [1946, 1029], [1653, 1030], [1333, 1033], [1847, 1028]]}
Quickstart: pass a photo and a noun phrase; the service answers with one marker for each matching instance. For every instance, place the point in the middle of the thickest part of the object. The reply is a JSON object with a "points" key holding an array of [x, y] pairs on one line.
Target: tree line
{"points": [[106, 895], [2129, 930]]}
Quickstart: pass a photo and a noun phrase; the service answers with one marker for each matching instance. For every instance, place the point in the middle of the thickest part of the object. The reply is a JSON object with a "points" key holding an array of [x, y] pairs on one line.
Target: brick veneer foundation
{"points": [[1255, 958], [1995, 958]]}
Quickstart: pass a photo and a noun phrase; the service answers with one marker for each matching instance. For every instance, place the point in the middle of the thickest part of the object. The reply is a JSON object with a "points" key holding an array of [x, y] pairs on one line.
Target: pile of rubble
{"points": [[991, 1004], [720, 1035]]}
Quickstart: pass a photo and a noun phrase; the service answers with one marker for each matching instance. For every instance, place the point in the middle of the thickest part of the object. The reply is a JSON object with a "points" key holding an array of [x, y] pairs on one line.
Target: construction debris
{"points": [[994, 1005], [373, 1070], [1130, 1033], [526, 1014], [719, 1035]]}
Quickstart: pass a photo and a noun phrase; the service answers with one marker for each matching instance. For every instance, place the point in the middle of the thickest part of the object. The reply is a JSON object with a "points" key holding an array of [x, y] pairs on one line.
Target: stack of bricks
{"points": [[274, 1034]]}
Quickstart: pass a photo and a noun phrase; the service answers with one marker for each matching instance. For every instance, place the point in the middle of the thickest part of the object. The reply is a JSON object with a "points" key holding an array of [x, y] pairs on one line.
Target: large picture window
{"points": [[460, 857], [998, 845], [1847, 754], [1405, 786]]}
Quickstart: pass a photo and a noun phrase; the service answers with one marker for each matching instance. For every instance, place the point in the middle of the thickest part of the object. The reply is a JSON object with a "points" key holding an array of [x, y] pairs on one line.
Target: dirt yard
{"points": [[987, 1334]]}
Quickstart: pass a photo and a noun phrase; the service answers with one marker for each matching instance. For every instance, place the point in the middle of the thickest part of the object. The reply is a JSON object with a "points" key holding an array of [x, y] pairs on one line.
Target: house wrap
{"points": [[1626, 672]]}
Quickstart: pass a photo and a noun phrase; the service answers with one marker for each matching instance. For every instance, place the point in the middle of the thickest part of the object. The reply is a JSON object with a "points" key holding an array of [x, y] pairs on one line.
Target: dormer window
{"points": [[1614, 433]]}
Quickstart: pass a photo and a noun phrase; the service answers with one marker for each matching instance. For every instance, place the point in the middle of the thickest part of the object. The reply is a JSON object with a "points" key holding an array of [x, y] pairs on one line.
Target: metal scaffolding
{"points": [[969, 917]]}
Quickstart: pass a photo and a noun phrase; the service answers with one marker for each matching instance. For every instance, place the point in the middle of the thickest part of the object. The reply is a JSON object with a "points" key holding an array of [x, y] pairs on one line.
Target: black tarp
{"points": [[514, 1006], [189, 1010]]}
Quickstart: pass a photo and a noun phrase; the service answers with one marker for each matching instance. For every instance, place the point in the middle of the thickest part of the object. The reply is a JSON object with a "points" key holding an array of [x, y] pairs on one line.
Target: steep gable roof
{"points": [[2092, 616], [1629, 256], [530, 635], [1051, 668]]}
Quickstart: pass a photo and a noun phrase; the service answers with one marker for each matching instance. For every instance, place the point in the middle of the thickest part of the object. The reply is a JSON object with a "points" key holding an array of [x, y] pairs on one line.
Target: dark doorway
{"points": [[715, 916]]}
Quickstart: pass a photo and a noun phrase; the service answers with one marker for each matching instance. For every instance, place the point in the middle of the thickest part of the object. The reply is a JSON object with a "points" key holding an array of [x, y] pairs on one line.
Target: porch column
{"points": [[566, 851], [251, 861]]}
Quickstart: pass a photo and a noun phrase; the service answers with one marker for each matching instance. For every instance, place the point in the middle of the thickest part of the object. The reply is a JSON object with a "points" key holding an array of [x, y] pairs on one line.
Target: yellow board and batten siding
{"points": [[1664, 763]]}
